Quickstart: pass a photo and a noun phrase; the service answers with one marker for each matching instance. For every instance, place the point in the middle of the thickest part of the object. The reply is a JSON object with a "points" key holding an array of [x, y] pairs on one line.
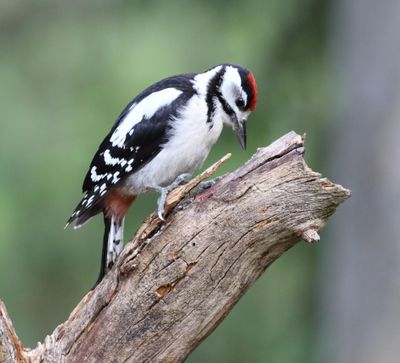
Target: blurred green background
{"points": [[67, 68]]}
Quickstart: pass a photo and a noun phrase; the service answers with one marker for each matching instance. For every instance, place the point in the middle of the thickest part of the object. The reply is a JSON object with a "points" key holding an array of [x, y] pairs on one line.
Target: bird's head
{"points": [[237, 93]]}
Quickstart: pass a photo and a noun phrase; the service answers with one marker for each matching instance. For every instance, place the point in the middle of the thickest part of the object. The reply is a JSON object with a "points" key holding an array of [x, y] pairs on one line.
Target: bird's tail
{"points": [[112, 244]]}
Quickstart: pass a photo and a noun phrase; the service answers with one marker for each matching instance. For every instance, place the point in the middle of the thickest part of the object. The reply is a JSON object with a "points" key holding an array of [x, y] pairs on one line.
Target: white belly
{"points": [[185, 151]]}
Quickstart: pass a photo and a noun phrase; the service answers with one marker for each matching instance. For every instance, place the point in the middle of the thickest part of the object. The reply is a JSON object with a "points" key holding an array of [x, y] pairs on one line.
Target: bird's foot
{"points": [[180, 179]]}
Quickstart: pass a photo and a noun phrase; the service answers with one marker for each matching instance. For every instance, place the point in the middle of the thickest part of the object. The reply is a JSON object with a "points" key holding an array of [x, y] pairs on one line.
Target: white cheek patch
{"points": [[244, 97], [231, 85]]}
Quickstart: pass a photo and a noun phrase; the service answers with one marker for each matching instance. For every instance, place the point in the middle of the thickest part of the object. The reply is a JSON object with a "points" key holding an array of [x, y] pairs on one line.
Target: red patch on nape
{"points": [[253, 85]]}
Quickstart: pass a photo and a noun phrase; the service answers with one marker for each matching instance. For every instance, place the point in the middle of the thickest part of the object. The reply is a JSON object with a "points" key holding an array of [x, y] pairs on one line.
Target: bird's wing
{"points": [[137, 137]]}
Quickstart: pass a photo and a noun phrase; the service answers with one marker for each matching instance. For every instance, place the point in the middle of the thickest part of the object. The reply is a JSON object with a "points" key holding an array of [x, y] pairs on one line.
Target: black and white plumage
{"points": [[163, 134]]}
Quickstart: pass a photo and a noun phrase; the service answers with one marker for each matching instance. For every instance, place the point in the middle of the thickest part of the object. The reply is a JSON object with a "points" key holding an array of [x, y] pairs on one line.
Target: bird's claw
{"points": [[160, 216], [179, 180], [161, 203]]}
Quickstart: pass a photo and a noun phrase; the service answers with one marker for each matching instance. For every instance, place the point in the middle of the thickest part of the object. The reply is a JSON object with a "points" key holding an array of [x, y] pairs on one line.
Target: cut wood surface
{"points": [[177, 280]]}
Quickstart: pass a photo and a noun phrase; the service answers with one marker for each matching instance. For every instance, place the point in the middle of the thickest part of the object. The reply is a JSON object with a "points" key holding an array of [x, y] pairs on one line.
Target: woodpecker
{"points": [[160, 138]]}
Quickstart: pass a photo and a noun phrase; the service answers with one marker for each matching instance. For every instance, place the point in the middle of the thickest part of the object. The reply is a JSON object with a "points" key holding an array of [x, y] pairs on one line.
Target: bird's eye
{"points": [[240, 103]]}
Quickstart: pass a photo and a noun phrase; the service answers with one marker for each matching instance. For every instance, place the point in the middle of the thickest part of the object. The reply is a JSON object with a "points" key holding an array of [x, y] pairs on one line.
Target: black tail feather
{"points": [[82, 213], [103, 264]]}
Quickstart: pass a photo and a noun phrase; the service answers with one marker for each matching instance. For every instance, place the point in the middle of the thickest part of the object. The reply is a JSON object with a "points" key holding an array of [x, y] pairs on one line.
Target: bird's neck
{"points": [[207, 82], [207, 86]]}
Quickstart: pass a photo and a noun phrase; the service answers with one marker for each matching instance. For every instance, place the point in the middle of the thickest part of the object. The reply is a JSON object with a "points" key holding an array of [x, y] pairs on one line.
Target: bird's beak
{"points": [[239, 126]]}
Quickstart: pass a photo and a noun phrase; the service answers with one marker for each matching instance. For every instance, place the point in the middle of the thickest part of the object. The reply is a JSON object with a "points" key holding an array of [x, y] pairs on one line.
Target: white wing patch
{"points": [[145, 108]]}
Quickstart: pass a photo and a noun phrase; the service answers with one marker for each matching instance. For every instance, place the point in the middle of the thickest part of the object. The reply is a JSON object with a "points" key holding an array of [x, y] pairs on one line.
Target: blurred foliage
{"points": [[67, 68]]}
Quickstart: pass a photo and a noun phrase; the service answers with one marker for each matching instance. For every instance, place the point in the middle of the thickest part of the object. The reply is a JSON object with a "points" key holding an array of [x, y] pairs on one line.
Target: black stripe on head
{"points": [[228, 109], [212, 91]]}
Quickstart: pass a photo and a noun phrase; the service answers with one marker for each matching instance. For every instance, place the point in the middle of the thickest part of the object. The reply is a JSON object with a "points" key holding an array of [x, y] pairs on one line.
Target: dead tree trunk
{"points": [[175, 282]]}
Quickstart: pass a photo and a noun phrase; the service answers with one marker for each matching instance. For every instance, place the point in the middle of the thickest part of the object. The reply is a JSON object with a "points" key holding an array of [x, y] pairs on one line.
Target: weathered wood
{"points": [[176, 281], [10, 346]]}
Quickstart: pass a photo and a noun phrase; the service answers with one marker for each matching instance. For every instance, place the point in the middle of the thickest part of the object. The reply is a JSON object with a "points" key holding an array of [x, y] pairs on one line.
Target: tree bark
{"points": [[176, 281]]}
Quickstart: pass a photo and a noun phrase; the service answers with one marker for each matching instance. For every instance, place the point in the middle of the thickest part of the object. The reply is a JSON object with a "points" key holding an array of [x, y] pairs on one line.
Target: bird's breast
{"points": [[189, 143]]}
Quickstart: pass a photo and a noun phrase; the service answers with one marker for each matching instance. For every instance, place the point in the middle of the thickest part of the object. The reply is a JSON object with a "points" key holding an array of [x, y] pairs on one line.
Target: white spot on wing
{"points": [[109, 160], [96, 177], [129, 167], [145, 108], [90, 201], [115, 177]]}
